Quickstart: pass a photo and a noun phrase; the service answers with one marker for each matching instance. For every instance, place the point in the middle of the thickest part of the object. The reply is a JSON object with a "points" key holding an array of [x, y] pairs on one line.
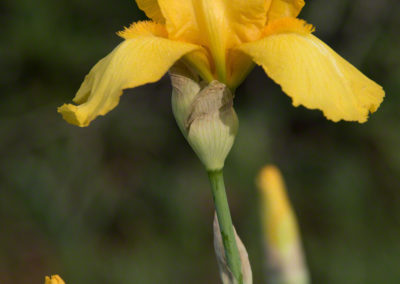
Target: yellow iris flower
{"points": [[54, 279], [220, 39]]}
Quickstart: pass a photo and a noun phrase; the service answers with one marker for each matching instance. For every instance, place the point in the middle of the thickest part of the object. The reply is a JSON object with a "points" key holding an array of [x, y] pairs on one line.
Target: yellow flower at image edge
{"points": [[220, 40], [54, 279]]}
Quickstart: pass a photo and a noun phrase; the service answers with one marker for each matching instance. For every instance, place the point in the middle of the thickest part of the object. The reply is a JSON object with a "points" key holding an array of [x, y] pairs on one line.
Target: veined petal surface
{"points": [[142, 58], [284, 8], [313, 75], [180, 20], [224, 21], [152, 10], [217, 25], [247, 17]]}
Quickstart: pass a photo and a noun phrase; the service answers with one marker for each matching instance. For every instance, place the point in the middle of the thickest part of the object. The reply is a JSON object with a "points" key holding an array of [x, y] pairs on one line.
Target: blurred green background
{"points": [[126, 200]]}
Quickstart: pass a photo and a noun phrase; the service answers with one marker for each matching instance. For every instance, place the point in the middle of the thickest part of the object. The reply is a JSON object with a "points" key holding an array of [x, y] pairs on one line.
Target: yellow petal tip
{"points": [[373, 94], [54, 279], [279, 220], [143, 28], [270, 178], [288, 25], [313, 75], [71, 114]]}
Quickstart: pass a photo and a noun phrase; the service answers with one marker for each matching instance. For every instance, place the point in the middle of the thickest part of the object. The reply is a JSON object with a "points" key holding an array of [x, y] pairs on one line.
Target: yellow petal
{"points": [[180, 19], [239, 66], [200, 61], [152, 9], [216, 24], [313, 75], [284, 8], [142, 58], [54, 279], [247, 17], [193, 21]]}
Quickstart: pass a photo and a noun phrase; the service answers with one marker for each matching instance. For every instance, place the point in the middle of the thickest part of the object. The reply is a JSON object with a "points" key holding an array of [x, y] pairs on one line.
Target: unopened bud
{"points": [[284, 253], [206, 118], [225, 273]]}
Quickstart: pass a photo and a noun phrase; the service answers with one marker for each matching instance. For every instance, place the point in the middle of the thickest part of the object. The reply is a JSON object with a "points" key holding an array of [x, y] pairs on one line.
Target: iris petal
{"points": [[152, 10], [313, 75], [284, 8], [215, 24], [228, 20], [142, 58]]}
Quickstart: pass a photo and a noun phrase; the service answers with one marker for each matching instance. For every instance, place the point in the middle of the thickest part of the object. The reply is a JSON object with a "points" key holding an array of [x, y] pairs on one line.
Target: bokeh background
{"points": [[126, 200]]}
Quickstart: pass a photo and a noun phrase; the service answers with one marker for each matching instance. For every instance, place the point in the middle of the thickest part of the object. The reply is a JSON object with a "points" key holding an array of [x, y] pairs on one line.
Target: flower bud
{"points": [[285, 259], [226, 275], [206, 118]]}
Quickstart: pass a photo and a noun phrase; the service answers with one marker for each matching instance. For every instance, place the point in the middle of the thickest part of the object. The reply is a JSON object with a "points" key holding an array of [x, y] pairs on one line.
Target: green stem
{"points": [[225, 224]]}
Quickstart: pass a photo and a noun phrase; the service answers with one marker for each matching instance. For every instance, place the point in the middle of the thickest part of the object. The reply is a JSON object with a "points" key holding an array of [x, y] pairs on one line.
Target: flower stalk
{"points": [[205, 115], [225, 224]]}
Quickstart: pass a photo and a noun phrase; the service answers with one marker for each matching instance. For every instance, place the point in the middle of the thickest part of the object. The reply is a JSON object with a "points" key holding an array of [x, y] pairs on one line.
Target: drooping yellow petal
{"points": [[54, 279], [216, 24], [152, 9], [142, 58], [284, 8], [313, 75]]}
